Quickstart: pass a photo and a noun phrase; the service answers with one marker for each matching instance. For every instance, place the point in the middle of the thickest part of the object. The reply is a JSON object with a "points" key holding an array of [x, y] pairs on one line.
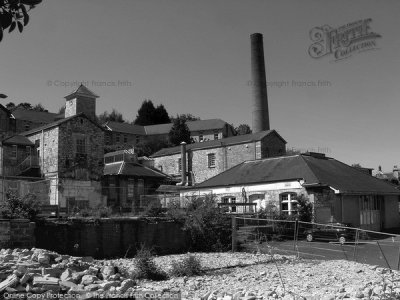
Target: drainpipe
{"points": [[183, 165]]}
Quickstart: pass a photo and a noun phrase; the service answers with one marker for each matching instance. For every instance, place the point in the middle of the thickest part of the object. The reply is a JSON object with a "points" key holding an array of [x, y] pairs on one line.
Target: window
{"points": [[81, 145], [216, 136], [131, 188], [160, 168], [107, 139], [201, 137], [288, 203], [179, 164], [28, 150], [117, 138], [27, 127], [137, 139], [125, 139], [211, 160], [140, 186], [13, 152]]}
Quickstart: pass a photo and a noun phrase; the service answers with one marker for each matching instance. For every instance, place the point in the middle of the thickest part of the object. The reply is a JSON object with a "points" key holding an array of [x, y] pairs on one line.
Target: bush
{"points": [[146, 268], [208, 226], [15, 207], [189, 266]]}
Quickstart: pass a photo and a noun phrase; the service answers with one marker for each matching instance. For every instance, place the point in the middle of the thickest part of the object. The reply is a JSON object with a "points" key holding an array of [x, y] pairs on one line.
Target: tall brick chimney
{"points": [[260, 115]]}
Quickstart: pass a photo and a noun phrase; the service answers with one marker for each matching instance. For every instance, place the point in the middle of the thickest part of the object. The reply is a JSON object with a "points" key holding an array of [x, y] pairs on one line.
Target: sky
{"points": [[194, 57]]}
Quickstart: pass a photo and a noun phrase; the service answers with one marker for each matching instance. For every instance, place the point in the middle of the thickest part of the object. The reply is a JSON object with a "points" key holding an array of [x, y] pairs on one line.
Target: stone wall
{"points": [[48, 149], [92, 164], [106, 238], [18, 233], [225, 157], [81, 104]]}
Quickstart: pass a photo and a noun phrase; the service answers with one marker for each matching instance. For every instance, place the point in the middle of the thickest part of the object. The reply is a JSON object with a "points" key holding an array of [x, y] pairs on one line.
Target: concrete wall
{"points": [[18, 233], [106, 238]]}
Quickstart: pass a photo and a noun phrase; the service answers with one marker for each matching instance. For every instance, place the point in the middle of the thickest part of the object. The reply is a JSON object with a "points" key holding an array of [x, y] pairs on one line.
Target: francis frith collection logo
{"points": [[343, 41]]}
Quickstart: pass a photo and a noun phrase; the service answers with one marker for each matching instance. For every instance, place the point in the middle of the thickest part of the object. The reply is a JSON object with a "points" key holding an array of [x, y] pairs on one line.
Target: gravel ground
{"points": [[259, 276]]}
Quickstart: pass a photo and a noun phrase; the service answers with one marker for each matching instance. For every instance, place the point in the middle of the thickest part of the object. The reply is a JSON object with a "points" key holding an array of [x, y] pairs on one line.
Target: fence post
{"points": [[234, 234], [398, 261], [355, 246], [383, 254], [296, 225]]}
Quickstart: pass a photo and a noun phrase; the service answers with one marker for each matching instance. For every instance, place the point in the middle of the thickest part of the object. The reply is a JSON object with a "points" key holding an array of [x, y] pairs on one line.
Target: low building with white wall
{"points": [[338, 192]]}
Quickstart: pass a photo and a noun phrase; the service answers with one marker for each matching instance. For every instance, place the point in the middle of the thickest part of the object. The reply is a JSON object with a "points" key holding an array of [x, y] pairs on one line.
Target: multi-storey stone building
{"points": [[70, 153], [207, 159], [200, 131]]}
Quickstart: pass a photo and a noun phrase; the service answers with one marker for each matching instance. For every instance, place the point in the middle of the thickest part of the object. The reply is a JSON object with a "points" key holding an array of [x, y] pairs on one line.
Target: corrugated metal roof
{"points": [[131, 169], [125, 128], [238, 139], [319, 171]]}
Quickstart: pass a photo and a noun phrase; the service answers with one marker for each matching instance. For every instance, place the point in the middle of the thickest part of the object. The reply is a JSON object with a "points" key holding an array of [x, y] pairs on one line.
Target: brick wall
{"points": [[18, 233]]}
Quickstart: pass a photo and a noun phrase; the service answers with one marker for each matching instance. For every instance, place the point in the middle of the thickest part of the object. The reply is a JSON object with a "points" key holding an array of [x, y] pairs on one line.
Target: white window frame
{"points": [[291, 200]]}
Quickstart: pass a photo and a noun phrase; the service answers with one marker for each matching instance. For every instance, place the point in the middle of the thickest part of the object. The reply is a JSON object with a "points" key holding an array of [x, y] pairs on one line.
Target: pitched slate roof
{"points": [[58, 122], [125, 128], [5, 109], [131, 169], [199, 125], [313, 170], [17, 140], [35, 116], [81, 91], [233, 140]]}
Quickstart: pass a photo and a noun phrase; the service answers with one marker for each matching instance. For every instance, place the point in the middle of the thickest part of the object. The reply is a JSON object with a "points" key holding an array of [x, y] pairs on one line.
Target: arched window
{"points": [[288, 203]]}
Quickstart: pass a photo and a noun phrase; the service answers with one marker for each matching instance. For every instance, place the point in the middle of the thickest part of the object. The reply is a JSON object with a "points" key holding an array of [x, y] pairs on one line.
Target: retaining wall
{"points": [[17, 233], [110, 238]]}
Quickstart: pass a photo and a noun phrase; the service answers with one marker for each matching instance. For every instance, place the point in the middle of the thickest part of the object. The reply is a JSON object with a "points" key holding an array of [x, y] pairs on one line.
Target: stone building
{"points": [[7, 123], [26, 119], [338, 192], [207, 159], [126, 182], [70, 153], [200, 131]]}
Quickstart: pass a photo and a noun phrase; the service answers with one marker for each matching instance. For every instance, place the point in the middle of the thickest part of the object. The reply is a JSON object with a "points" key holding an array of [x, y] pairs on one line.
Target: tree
{"points": [[161, 115], [25, 105], [179, 132], [357, 165], [10, 105], [243, 129], [114, 116], [186, 117], [61, 110], [145, 114], [39, 107], [14, 13], [150, 146]]}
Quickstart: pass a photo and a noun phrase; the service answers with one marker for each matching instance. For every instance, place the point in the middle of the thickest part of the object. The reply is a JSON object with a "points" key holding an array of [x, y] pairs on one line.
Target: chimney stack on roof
{"points": [[260, 114]]}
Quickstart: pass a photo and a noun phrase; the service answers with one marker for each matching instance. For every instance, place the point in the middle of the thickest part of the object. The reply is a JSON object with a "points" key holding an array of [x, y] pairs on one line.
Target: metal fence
{"points": [[316, 241]]}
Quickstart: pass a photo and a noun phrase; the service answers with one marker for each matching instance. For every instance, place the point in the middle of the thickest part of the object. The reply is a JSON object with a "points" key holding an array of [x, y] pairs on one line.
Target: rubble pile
{"points": [[227, 276]]}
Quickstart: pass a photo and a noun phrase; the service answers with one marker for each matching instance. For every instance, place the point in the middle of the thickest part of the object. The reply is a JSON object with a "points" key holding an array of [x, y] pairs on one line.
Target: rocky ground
{"points": [[226, 276]]}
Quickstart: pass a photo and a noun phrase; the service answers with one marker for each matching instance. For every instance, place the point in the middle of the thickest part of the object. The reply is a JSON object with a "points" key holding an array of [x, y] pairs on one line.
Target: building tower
{"points": [[82, 100]]}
